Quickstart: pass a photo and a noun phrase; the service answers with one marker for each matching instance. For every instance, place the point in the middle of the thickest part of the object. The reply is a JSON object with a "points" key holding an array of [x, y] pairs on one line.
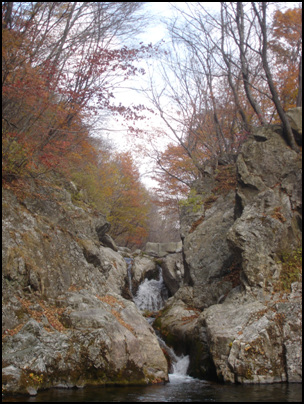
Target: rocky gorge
{"points": [[238, 311], [234, 282]]}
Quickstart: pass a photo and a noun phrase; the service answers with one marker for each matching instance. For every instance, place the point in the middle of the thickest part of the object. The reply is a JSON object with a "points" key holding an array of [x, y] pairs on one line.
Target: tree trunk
{"points": [[275, 97], [244, 64], [299, 97], [7, 23]]}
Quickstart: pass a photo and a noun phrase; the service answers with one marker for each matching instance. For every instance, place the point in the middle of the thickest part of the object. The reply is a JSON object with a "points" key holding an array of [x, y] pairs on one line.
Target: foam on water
{"points": [[151, 294], [180, 367]]}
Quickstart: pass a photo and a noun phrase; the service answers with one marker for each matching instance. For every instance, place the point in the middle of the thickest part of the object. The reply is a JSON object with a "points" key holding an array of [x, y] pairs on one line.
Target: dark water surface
{"points": [[180, 389]]}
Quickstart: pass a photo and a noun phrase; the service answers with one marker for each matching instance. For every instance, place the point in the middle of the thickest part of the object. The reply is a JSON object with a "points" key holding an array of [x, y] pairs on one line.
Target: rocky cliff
{"points": [[235, 306], [238, 312], [65, 321]]}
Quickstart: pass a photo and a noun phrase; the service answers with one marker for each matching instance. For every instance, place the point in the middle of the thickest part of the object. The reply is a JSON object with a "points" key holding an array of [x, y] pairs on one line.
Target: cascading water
{"points": [[151, 296], [179, 364], [180, 369], [129, 263]]}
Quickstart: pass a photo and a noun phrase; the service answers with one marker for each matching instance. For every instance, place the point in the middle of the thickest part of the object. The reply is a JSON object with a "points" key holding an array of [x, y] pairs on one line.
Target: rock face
{"points": [[209, 265], [251, 341], [48, 239], [269, 201], [65, 322], [242, 234], [236, 305], [173, 272], [105, 341], [295, 118], [162, 249]]}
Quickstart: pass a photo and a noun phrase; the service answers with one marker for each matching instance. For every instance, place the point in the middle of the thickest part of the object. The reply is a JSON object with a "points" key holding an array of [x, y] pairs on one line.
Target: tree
{"points": [[163, 224], [128, 203], [202, 78], [261, 14], [286, 45], [174, 162], [60, 66], [223, 74]]}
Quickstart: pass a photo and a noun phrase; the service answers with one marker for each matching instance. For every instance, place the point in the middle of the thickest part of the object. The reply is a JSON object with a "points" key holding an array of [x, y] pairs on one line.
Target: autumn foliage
{"points": [[225, 72], [286, 46], [223, 75], [59, 69], [45, 102], [113, 187]]}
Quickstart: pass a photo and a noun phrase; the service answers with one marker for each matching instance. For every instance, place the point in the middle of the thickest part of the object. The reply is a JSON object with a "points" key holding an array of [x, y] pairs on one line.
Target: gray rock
{"points": [[106, 341], [207, 256], [64, 321], [295, 118], [143, 267], [102, 228], [49, 258], [162, 249], [179, 326], [248, 340], [107, 241], [233, 248], [173, 272], [269, 214]]}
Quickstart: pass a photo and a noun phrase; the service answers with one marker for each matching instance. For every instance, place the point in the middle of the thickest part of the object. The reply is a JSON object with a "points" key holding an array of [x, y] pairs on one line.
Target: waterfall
{"points": [[179, 364], [151, 294], [129, 262], [180, 367]]}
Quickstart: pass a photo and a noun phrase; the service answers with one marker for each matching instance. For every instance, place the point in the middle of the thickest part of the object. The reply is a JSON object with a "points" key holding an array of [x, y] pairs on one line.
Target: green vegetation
{"points": [[193, 200], [291, 269]]}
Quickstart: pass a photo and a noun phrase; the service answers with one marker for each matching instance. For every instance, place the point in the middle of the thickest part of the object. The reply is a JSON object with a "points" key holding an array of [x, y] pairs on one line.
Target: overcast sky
{"points": [[155, 32]]}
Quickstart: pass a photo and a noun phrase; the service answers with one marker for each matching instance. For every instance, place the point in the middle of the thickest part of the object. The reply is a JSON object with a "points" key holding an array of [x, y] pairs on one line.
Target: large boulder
{"points": [[162, 249], [251, 341], [173, 272], [269, 203], [207, 256], [143, 267], [104, 340]]}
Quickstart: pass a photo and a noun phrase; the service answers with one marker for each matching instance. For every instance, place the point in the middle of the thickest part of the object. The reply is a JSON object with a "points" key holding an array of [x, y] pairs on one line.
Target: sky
{"points": [[155, 32]]}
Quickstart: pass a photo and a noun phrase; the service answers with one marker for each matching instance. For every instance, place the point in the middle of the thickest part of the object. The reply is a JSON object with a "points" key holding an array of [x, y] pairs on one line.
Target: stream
{"points": [[151, 296], [180, 389]]}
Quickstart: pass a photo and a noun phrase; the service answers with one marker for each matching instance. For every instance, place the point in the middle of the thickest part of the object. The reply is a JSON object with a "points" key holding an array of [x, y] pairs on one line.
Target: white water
{"points": [[181, 366], [180, 369], [129, 262], [151, 296]]}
